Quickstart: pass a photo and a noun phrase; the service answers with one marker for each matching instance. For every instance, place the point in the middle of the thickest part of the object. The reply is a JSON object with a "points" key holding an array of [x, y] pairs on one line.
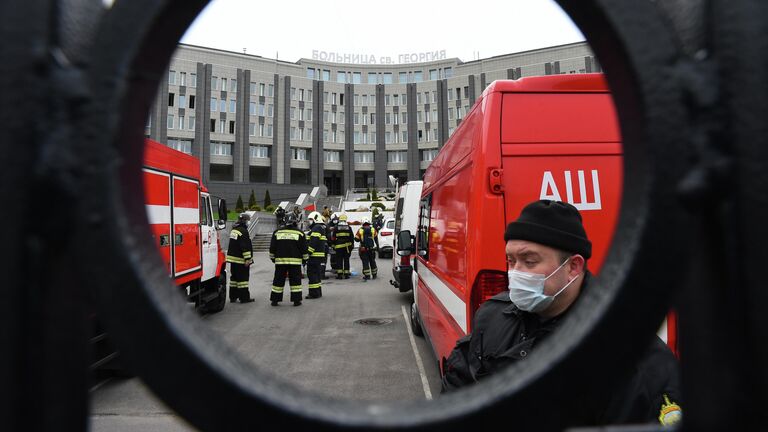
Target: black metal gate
{"points": [[76, 82]]}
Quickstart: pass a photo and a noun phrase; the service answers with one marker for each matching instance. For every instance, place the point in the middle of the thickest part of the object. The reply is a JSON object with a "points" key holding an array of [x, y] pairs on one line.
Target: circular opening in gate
{"points": [[230, 379]]}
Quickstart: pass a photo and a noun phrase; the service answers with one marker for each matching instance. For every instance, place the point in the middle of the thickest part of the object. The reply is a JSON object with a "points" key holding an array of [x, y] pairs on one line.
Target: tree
{"points": [[239, 205], [374, 195], [267, 199], [252, 200], [368, 196]]}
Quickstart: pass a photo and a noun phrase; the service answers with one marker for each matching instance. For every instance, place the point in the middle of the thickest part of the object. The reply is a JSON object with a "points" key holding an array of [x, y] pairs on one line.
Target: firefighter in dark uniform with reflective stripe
{"points": [[366, 236], [288, 250], [316, 249], [343, 245], [240, 258]]}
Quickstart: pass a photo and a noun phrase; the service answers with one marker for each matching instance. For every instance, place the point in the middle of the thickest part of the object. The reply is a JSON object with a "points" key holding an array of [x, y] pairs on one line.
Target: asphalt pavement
{"points": [[353, 343]]}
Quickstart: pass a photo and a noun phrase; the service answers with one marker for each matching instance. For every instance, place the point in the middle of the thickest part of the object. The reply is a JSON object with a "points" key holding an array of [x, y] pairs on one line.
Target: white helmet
{"points": [[316, 217], [366, 221]]}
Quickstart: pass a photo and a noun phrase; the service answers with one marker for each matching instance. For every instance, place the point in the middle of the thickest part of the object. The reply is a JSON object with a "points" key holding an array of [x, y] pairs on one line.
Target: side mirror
{"points": [[222, 212], [221, 224], [404, 243]]}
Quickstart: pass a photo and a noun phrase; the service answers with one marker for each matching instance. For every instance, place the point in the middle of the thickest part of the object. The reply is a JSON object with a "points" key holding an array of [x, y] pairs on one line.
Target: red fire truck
{"points": [[550, 137], [180, 213]]}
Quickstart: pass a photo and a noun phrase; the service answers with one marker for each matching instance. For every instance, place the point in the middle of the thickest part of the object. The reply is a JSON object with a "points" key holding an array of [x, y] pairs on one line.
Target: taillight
{"points": [[386, 233], [405, 260], [487, 284]]}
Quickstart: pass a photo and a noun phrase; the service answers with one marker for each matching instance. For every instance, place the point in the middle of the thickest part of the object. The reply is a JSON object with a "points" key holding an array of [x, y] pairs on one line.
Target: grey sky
{"points": [[295, 28]]}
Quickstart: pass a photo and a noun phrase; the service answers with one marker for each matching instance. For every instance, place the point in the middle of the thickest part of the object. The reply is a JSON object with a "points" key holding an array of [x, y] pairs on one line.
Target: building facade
{"points": [[256, 122]]}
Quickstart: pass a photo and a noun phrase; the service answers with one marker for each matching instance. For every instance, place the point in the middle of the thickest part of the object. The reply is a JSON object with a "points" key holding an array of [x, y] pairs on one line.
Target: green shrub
{"points": [[267, 199], [378, 205], [374, 195], [252, 200], [391, 196], [255, 207], [239, 204], [270, 208], [368, 196]]}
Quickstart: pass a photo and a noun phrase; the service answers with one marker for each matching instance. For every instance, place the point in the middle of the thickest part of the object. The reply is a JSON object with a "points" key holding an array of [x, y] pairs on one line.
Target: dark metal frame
{"points": [[75, 87]]}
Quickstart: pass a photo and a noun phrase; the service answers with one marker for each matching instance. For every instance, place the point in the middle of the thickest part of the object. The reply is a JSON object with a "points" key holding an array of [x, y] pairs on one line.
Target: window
{"points": [[426, 97], [191, 123], [326, 116], [428, 155], [259, 152], [402, 77], [403, 99], [404, 117], [432, 74], [356, 137], [386, 99], [388, 137], [387, 77], [252, 129], [387, 118], [341, 117], [341, 99], [405, 136], [341, 77], [184, 146], [214, 104], [294, 132], [293, 113], [420, 135], [426, 117], [252, 108], [325, 135], [333, 116], [193, 80], [356, 117], [308, 135], [373, 137], [232, 105], [223, 105], [357, 78], [396, 156], [270, 110], [422, 240], [261, 130], [221, 148], [450, 94], [309, 95], [170, 121], [450, 113], [418, 117], [301, 114], [182, 78], [311, 73], [214, 83], [466, 92], [299, 153], [332, 156], [170, 99], [434, 115], [371, 77], [261, 89], [269, 130], [182, 101], [191, 101], [223, 84], [448, 72], [373, 118], [364, 157], [233, 85], [181, 122], [222, 126], [308, 117], [301, 134], [333, 98], [434, 96], [418, 98], [326, 75], [418, 76], [231, 126], [213, 125], [261, 109], [171, 77], [271, 90], [253, 88], [450, 131], [293, 93], [458, 93]]}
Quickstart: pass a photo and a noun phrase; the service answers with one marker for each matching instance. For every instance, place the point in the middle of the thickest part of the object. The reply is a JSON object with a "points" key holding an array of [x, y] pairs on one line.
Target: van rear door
{"points": [[566, 147]]}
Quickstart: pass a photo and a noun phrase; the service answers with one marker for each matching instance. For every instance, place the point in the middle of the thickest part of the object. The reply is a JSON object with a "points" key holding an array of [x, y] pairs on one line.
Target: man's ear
{"points": [[576, 265]]}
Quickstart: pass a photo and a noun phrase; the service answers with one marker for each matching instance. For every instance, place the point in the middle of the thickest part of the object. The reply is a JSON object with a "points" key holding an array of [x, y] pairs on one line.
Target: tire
{"points": [[218, 304], [416, 322]]}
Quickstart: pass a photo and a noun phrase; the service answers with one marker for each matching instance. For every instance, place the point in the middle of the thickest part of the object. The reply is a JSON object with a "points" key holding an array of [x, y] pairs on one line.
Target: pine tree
{"points": [[239, 204], [267, 199], [374, 195], [251, 200]]}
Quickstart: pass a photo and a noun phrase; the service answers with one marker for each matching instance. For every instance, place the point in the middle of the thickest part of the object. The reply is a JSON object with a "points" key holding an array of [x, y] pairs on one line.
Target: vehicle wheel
{"points": [[217, 305], [415, 321]]}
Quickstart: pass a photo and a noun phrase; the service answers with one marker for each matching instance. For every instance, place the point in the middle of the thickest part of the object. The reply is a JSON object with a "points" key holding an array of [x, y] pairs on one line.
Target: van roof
{"points": [[576, 83]]}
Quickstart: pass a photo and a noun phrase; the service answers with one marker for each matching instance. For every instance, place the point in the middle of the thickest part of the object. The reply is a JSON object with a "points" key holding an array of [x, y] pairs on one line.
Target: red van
{"points": [[550, 137]]}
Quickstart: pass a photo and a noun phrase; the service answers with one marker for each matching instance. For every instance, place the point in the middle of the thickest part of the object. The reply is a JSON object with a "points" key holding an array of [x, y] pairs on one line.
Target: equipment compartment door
{"points": [[186, 226]]}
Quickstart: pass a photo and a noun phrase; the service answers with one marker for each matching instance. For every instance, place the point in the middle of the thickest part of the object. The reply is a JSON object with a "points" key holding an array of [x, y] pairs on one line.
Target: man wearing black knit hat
{"points": [[547, 251]]}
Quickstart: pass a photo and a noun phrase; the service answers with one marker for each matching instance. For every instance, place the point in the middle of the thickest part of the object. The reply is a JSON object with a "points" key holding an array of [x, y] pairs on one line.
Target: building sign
{"points": [[420, 57]]}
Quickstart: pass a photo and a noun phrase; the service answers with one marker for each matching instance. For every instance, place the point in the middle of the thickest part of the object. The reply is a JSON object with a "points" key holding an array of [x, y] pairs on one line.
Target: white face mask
{"points": [[526, 290]]}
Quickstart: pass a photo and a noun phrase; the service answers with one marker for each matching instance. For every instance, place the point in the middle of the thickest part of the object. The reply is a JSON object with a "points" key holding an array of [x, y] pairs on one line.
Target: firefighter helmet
{"points": [[316, 217], [343, 218], [366, 221]]}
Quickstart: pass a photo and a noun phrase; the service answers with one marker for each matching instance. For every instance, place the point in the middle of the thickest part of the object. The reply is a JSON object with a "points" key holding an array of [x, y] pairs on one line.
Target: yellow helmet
{"points": [[343, 218]]}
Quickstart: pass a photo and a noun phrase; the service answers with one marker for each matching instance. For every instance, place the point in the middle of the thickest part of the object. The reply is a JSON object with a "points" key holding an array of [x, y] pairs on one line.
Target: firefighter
{"points": [[316, 249], [240, 258], [331, 235], [288, 250], [547, 250], [343, 245], [280, 217], [366, 236]]}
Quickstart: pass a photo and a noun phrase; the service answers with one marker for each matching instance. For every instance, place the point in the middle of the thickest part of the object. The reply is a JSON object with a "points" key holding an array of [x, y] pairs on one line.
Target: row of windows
{"points": [[219, 148], [345, 77], [182, 101], [221, 105], [259, 109], [183, 122], [261, 86], [182, 78]]}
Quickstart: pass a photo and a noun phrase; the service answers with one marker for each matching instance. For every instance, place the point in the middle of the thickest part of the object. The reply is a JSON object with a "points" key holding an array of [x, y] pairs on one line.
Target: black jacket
{"points": [[240, 249], [503, 334], [317, 242], [288, 246]]}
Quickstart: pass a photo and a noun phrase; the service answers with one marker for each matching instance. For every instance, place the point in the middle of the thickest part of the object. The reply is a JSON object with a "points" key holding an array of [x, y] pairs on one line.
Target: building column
{"points": [[276, 155], [242, 117], [349, 143], [442, 109], [317, 158], [380, 162], [414, 161], [158, 128], [286, 144], [202, 145]]}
